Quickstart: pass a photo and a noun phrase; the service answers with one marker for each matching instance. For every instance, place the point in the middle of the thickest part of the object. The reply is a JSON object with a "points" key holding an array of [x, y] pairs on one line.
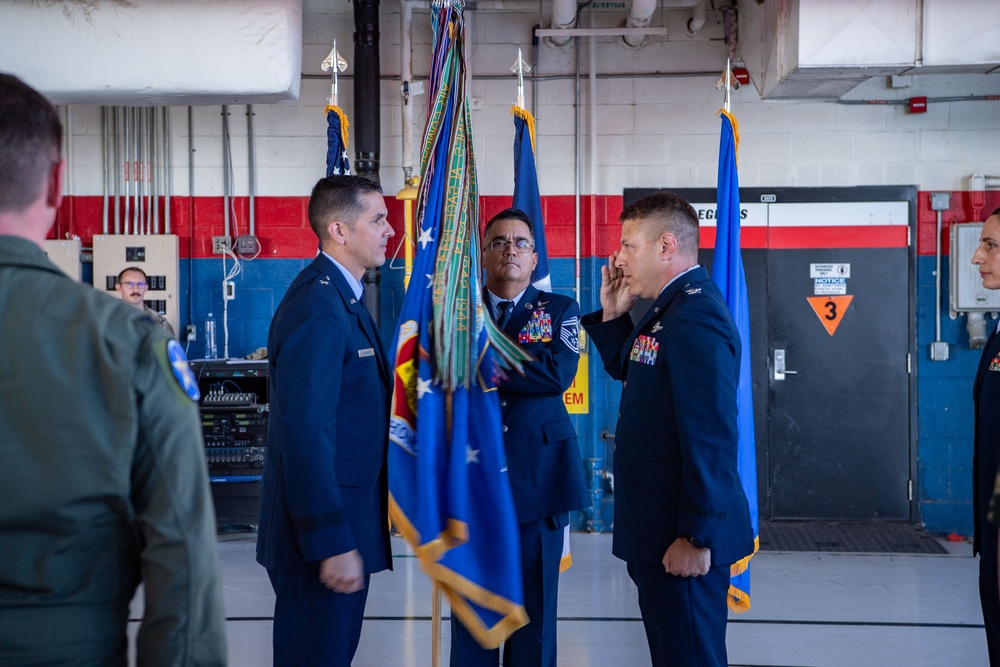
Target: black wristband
{"points": [[694, 541]]}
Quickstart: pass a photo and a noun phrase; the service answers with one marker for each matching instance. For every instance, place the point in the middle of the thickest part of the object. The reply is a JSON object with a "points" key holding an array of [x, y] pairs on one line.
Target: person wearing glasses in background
{"points": [[131, 285], [543, 459]]}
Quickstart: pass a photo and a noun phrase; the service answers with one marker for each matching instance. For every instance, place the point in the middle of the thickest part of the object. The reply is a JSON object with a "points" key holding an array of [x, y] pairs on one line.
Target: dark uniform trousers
{"points": [[986, 393]]}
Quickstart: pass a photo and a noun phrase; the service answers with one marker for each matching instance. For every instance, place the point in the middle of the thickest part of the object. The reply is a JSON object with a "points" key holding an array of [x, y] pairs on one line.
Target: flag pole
{"points": [[436, 626], [520, 67], [334, 64]]}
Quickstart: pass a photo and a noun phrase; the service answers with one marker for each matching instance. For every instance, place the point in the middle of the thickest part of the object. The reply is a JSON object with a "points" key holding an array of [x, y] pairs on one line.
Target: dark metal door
{"points": [[839, 412], [835, 436]]}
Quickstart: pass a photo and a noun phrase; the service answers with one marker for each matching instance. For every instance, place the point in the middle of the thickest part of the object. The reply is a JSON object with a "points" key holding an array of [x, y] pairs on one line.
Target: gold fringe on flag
{"points": [[736, 132], [343, 120], [526, 116], [739, 601]]}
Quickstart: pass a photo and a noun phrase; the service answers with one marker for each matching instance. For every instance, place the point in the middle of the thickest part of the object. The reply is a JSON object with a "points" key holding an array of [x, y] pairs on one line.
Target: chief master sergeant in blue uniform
{"points": [[681, 517], [324, 499], [543, 459], [103, 483]]}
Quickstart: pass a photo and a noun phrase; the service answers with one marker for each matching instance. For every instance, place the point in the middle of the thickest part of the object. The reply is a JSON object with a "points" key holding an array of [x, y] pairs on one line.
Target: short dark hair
{"points": [[337, 198], [667, 212], [509, 214], [30, 134], [130, 268]]}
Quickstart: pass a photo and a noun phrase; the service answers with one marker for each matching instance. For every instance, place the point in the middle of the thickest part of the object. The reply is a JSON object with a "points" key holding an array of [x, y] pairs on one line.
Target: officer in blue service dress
{"points": [[324, 498], [104, 483], [681, 517], [986, 452], [543, 459]]}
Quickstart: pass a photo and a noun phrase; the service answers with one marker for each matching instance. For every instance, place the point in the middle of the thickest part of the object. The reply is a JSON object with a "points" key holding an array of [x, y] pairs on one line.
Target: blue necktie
{"points": [[504, 308]]}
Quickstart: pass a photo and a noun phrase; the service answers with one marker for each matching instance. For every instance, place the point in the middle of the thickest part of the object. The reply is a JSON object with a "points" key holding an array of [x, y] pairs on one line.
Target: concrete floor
{"points": [[807, 610]]}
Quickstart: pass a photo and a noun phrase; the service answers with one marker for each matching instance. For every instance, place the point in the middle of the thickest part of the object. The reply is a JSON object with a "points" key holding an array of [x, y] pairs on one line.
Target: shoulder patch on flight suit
{"points": [[182, 370]]}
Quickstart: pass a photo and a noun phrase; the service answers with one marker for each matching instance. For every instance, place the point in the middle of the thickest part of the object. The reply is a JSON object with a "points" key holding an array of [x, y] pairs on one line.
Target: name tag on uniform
{"points": [[367, 352]]}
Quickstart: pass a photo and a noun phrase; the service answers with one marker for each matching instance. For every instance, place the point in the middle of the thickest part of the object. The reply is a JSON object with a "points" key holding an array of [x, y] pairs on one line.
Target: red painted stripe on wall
{"points": [[283, 228]]}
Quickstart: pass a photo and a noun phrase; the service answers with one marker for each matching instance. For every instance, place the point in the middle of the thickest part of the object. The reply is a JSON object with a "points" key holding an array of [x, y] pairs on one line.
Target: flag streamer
{"points": [[728, 274], [449, 493]]}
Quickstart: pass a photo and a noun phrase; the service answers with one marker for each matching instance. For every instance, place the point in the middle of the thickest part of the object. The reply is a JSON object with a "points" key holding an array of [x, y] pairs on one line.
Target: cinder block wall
{"points": [[650, 132]]}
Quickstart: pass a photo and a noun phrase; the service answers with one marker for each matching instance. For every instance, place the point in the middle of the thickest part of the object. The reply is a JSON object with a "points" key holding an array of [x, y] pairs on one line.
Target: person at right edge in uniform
{"points": [[104, 483], [681, 516], [986, 451], [543, 459]]}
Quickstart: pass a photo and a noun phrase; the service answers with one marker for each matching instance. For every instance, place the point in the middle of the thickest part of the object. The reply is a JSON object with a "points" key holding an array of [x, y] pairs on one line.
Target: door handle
{"points": [[779, 365]]}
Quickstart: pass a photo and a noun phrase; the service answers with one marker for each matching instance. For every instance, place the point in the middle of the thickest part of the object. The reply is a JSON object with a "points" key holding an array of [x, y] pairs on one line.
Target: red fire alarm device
{"points": [[918, 105], [742, 75]]}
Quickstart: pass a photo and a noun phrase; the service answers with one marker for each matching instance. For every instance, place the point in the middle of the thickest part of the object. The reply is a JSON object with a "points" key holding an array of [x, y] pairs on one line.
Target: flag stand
{"points": [[436, 626]]}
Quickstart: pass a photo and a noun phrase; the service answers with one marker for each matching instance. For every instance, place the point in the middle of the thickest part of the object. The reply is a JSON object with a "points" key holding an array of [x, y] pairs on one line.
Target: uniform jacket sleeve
{"points": [[307, 390], [703, 346], [609, 338], [184, 620]]}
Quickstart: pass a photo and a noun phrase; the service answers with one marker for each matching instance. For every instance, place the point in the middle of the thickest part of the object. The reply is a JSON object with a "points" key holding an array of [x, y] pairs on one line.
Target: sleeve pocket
{"points": [[561, 429]]}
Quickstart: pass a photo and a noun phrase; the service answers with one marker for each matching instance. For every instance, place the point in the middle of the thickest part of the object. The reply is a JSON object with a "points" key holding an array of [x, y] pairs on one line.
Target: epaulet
{"points": [[690, 291]]}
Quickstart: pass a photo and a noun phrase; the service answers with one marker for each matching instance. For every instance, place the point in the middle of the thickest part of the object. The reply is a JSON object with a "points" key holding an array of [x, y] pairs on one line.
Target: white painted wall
{"points": [[651, 132]]}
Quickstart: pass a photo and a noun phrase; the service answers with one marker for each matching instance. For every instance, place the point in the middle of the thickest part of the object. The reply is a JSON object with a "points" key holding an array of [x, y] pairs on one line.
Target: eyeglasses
{"points": [[520, 245], [134, 285]]}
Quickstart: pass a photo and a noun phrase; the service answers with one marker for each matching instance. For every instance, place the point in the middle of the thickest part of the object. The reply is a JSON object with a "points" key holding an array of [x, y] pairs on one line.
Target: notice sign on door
{"points": [[830, 309]]}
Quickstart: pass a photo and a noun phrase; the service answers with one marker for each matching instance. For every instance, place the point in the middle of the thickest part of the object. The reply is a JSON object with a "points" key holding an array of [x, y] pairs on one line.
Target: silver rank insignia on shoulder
{"points": [[657, 327], [693, 290], [325, 280]]}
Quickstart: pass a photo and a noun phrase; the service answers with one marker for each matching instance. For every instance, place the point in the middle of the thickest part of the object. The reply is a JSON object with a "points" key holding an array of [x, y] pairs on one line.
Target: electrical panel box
{"points": [[156, 254], [967, 294], [66, 255]]}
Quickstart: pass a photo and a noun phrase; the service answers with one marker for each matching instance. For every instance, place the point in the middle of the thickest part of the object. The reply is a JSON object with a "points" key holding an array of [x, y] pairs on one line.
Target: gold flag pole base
{"points": [[436, 626]]}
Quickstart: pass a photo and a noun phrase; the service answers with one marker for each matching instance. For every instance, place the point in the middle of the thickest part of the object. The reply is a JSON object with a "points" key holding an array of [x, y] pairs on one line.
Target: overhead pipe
{"points": [[168, 178], [226, 169], [639, 16], [116, 122], [697, 20], [367, 107], [127, 163], [564, 16], [252, 175], [105, 159]]}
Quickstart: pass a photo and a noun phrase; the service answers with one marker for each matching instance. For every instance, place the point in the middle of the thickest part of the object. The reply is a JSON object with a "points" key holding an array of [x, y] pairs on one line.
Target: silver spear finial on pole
{"points": [[334, 63], [520, 67]]}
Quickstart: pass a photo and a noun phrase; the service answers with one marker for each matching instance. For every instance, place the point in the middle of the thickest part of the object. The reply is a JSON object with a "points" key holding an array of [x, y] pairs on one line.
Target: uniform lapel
{"points": [[356, 308], [990, 350]]}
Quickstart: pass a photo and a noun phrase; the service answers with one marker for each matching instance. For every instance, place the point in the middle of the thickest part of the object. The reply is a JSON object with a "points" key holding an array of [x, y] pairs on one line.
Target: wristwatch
{"points": [[694, 541]]}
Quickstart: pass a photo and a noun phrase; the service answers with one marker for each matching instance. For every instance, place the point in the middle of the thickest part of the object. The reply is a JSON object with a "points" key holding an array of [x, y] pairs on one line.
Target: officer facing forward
{"points": [[681, 517], [543, 460], [103, 483]]}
